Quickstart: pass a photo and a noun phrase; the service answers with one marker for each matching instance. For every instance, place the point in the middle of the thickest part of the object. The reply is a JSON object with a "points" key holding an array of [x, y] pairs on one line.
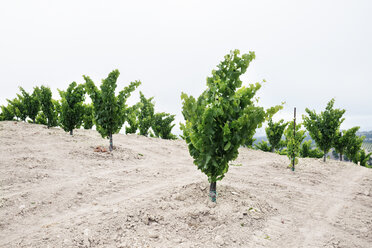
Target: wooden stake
{"points": [[294, 136]]}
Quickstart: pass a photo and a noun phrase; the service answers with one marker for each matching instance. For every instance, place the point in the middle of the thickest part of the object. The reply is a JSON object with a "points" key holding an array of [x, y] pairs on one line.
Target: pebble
{"points": [[67, 242], [219, 240], [211, 204], [153, 235], [123, 245], [178, 241], [180, 197], [256, 217]]}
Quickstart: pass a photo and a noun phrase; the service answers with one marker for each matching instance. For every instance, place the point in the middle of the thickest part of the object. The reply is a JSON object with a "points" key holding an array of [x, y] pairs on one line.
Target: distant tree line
{"points": [[324, 129], [108, 111]]}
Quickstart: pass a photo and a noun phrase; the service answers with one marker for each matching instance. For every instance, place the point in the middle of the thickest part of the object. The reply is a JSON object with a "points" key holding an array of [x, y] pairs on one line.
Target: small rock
{"points": [[211, 204], [180, 197], [219, 240], [256, 217], [153, 235], [178, 241], [67, 242], [123, 245], [364, 230], [146, 221], [22, 207]]}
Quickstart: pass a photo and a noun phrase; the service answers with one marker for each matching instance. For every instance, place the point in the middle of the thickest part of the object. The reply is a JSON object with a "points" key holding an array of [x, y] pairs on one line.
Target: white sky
{"points": [[308, 51]]}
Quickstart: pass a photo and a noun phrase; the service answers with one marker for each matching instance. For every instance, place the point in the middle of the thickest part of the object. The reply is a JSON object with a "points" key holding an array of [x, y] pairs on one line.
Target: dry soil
{"points": [[57, 190]]}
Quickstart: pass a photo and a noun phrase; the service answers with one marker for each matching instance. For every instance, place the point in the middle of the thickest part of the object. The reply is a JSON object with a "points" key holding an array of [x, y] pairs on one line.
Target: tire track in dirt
{"points": [[325, 209], [309, 221], [309, 210], [139, 191], [318, 205]]}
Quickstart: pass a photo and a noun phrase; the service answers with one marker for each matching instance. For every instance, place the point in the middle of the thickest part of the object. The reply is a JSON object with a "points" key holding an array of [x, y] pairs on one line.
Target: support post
{"points": [[294, 136], [341, 153], [213, 191], [111, 145]]}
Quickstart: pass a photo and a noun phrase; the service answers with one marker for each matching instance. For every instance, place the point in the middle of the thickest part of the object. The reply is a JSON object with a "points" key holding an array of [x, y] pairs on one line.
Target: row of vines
{"points": [[108, 112], [324, 129], [217, 123], [225, 117]]}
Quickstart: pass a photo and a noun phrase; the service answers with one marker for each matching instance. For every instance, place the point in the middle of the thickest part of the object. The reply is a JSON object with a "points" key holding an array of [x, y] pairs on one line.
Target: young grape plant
{"points": [[72, 108], [323, 127], [31, 103], [7, 113], [109, 109], [249, 142], [364, 157], [162, 125], [146, 114], [274, 132], [345, 139], [132, 119], [49, 107], [263, 146], [222, 118], [293, 138], [88, 116], [307, 151], [354, 144], [18, 107]]}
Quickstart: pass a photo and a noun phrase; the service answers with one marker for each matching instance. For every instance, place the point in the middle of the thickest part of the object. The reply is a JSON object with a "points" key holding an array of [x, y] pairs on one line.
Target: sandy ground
{"points": [[56, 191]]}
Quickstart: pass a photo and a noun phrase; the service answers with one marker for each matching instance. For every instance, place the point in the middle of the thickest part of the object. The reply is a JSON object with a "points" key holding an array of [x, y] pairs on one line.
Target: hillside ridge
{"points": [[57, 191]]}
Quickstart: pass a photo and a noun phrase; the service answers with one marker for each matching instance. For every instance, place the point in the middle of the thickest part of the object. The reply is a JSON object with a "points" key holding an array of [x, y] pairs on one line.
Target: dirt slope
{"points": [[56, 191]]}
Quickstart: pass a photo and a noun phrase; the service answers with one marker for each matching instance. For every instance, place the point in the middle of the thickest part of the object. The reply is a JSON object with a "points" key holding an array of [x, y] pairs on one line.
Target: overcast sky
{"points": [[308, 51]]}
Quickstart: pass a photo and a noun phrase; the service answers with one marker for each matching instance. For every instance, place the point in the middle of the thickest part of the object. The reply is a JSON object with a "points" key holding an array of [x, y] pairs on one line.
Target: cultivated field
{"points": [[57, 191], [367, 146]]}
